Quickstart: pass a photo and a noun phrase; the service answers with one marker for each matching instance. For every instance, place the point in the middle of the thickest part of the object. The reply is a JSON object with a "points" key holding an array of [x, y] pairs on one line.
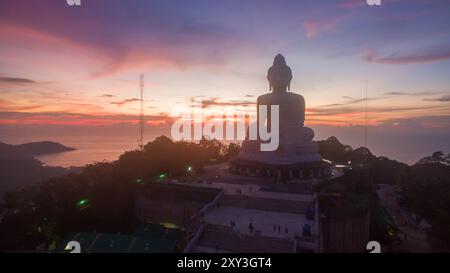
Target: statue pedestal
{"points": [[297, 157]]}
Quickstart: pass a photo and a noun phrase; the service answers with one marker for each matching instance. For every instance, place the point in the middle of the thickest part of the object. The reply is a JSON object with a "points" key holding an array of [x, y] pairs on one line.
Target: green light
{"points": [[163, 175], [139, 181], [82, 203]]}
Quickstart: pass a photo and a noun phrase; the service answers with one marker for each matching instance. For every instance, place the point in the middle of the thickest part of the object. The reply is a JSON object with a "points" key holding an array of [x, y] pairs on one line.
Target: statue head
{"points": [[279, 75]]}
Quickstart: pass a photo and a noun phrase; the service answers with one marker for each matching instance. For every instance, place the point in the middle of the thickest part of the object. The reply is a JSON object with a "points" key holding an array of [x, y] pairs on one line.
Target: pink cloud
{"points": [[310, 28], [317, 26], [111, 58]]}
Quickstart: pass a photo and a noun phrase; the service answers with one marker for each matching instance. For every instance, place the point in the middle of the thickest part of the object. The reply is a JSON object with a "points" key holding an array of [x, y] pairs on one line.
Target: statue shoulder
{"points": [[264, 98], [295, 96]]}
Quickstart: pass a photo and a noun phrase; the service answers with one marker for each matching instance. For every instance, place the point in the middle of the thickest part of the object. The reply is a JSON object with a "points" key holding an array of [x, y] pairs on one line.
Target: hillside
{"points": [[383, 169], [19, 168], [436, 158]]}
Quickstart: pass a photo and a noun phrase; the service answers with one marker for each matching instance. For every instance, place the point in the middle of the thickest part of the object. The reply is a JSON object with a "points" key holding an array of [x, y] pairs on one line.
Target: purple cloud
{"points": [[123, 102], [427, 56], [444, 98]]}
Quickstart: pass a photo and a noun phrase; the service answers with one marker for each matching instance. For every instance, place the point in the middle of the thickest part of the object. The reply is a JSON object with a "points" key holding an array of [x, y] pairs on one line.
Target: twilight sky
{"points": [[80, 65]]}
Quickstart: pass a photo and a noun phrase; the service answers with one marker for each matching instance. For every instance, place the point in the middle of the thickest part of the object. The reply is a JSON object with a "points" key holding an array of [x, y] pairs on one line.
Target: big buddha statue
{"points": [[297, 156]]}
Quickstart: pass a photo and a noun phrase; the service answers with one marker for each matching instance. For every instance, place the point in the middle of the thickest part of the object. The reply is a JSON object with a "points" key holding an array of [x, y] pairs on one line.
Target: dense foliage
{"points": [[427, 192], [100, 198], [383, 169]]}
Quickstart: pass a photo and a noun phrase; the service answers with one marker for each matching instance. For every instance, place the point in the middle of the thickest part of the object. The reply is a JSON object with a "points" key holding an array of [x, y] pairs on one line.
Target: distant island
{"points": [[18, 166], [32, 149]]}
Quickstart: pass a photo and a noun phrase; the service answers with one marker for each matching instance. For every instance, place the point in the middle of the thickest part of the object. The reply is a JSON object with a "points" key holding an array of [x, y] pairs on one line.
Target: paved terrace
{"points": [[277, 212], [222, 239], [267, 223]]}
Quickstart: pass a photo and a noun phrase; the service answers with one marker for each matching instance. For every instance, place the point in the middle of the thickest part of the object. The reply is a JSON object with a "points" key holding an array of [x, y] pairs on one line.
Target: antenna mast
{"points": [[365, 127], [141, 116]]}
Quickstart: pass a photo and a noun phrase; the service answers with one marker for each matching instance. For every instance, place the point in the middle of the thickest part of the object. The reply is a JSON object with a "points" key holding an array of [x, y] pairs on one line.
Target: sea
{"points": [[105, 145], [91, 144]]}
